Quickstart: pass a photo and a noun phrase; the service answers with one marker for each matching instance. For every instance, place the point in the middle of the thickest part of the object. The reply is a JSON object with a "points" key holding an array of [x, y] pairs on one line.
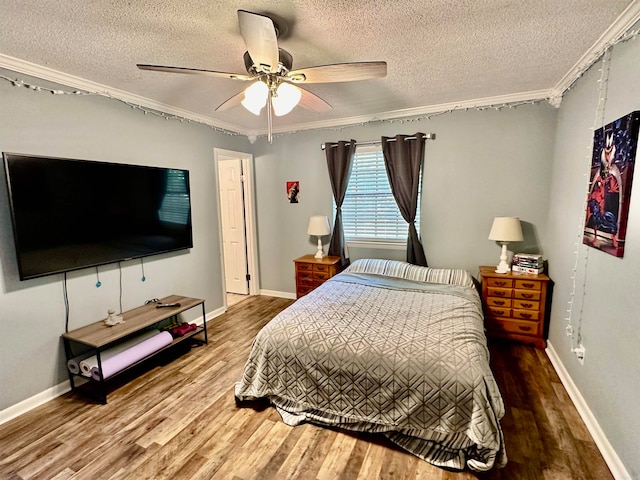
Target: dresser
{"points": [[515, 305], [312, 271]]}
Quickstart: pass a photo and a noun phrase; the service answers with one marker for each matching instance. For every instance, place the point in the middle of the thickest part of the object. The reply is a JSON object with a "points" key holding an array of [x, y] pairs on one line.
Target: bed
{"points": [[386, 347]]}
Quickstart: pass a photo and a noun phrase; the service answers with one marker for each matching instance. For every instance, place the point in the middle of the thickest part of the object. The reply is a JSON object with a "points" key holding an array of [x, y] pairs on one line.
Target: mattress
{"points": [[379, 349]]}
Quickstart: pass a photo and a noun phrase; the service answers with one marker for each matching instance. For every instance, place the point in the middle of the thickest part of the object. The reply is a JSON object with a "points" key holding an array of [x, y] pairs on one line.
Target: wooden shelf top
{"points": [[326, 260], [98, 334]]}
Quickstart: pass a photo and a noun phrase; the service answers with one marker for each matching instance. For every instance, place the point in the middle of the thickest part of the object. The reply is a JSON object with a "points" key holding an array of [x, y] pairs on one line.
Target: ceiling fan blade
{"points": [[260, 37], [312, 102], [195, 71], [231, 102], [339, 72]]}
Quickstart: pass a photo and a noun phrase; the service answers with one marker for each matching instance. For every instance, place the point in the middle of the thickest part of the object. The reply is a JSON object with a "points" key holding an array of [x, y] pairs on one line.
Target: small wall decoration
{"points": [[612, 164], [293, 191]]}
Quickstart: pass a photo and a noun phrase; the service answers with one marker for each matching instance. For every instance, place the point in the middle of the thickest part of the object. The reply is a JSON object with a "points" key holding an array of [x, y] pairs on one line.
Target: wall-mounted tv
{"points": [[72, 214]]}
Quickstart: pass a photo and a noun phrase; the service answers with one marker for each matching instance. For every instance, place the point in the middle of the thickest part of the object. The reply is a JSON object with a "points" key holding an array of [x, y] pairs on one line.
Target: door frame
{"points": [[246, 160]]}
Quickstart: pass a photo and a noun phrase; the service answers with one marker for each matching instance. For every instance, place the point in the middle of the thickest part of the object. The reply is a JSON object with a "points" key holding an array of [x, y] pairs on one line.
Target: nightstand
{"points": [[312, 271], [515, 305]]}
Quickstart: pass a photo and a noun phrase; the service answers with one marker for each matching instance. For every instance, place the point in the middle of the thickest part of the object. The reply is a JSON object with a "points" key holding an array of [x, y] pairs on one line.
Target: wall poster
{"points": [[293, 191], [612, 163]]}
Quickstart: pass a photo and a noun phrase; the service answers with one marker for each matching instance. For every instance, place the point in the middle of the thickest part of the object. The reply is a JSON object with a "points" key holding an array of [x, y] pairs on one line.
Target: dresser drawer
{"points": [[500, 282], [527, 294], [526, 314], [499, 292], [526, 304], [498, 302], [528, 285], [321, 268], [302, 274], [321, 275], [513, 326], [499, 312]]}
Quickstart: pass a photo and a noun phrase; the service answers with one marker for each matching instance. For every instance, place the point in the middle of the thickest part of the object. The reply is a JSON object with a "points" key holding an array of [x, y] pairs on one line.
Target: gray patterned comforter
{"points": [[379, 354]]}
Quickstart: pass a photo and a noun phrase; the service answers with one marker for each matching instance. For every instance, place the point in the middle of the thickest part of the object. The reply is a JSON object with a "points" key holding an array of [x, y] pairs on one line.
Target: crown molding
{"points": [[49, 74], [497, 102], [617, 29]]}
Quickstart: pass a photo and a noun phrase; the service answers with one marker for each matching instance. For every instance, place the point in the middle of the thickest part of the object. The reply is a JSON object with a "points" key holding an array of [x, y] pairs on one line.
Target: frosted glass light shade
{"points": [[285, 99], [255, 97]]}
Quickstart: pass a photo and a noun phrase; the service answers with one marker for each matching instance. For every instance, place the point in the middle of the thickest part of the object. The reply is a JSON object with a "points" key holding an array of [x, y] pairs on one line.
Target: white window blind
{"points": [[369, 211]]}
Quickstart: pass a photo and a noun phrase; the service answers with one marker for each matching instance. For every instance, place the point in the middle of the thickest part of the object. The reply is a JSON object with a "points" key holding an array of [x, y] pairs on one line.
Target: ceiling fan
{"points": [[274, 84]]}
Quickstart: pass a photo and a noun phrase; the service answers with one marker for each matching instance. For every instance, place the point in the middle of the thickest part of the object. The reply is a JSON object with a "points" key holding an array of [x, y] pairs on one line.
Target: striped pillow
{"points": [[396, 268]]}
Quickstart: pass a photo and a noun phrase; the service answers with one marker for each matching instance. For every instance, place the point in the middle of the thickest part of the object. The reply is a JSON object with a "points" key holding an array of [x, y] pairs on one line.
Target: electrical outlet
{"points": [[580, 352]]}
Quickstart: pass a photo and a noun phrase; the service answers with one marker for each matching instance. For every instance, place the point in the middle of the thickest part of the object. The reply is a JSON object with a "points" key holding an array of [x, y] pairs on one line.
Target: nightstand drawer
{"points": [[512, 326], [321, 275], [500, 282], [499, 292], [499, 312], [321, 268], [498, 302], [302, 274], [526, 314], [527, 294], [529, 284], [301, 267], [526, 304]]}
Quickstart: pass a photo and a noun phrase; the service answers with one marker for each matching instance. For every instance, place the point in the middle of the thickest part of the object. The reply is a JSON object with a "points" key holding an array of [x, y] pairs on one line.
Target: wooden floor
{"points": [[180, 421]]}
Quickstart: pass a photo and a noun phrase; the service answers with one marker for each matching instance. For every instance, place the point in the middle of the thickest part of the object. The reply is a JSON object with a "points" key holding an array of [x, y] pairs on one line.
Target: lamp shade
{"points": [[286, 98], [506, 229], [318, 225]]}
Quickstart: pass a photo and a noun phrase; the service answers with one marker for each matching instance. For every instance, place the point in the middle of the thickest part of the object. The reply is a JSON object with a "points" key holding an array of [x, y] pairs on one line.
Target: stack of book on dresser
{"points": [[527, 263]]}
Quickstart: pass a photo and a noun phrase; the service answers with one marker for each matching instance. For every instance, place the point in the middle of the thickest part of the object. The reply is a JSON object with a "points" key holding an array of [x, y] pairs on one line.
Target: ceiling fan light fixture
{"points": [[255, 97], [287, 96]]}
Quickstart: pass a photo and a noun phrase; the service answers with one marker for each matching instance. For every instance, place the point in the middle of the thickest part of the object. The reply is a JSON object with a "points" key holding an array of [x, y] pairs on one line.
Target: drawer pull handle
{"points": [[527, 295], [500, 294], [501, 283], [527, 305], [499, 312], [524, 329], [528, 285], [525, 315], [499, 302]]}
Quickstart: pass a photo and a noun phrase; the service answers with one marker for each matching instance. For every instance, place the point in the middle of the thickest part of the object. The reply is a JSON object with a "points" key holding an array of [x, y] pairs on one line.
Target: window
{"points": [[369, 211]]}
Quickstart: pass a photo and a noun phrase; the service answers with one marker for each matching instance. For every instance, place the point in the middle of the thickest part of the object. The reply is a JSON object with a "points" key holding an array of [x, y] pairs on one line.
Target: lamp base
{"points": [[320, 253], [503, 266]]}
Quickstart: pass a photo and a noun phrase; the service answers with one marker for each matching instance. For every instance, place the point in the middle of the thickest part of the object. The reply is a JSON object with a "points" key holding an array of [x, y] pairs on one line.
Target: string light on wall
{"points": [[554, 99], [38, 88], [575, 334]]}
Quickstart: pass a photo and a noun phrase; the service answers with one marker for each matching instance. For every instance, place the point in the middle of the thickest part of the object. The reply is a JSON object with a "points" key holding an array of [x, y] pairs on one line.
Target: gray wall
{"points": [[32, 312], [482, 164], [607, 313]]}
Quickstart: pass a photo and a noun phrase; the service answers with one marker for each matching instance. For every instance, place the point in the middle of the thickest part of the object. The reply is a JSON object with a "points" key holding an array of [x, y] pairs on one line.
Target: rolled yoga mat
{"points": [[73, 364], [133, 354], [91, 362]]}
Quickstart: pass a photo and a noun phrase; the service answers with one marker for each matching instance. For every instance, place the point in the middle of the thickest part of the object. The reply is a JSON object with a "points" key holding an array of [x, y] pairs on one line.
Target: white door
{"points": [[234, 244]]}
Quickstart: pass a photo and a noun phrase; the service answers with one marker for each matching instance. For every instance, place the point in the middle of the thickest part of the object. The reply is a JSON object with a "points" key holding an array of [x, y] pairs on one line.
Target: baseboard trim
{"points": [[617, 468], [275, 293], [33, 402]]}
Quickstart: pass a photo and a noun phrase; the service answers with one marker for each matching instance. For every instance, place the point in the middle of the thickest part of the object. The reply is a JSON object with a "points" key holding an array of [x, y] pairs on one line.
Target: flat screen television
{"points": [[72, 214]]}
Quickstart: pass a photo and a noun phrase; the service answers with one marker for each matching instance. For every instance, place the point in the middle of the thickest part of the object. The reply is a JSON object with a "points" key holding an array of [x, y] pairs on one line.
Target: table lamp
{"points": [[505, 230], [319, 225]]}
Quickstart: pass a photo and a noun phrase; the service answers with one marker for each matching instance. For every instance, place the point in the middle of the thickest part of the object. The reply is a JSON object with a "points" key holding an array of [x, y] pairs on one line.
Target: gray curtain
{"points": [[403, 161], [339, 161]]}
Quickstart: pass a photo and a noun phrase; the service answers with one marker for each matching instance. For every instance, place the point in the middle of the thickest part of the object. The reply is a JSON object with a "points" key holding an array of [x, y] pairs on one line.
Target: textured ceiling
{"points": [[439, 52]]}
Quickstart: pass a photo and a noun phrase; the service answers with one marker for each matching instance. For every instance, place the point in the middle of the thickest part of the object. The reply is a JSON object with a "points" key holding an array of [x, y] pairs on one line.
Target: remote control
{"points": [[167, 305]]}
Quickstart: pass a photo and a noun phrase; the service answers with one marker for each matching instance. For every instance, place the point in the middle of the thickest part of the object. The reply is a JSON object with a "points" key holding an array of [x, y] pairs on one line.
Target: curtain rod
{"points": [[427, 136]]}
